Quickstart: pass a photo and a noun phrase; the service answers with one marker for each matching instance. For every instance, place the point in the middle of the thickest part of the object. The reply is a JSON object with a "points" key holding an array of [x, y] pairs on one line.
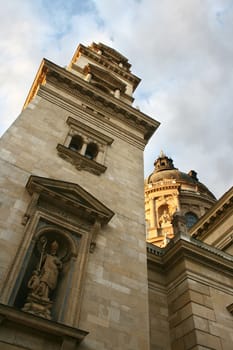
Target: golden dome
{"points": [[165, 170]]}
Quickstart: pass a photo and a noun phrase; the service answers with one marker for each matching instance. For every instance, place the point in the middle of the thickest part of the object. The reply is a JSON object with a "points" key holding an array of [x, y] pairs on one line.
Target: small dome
{"points": [[165, 170]]}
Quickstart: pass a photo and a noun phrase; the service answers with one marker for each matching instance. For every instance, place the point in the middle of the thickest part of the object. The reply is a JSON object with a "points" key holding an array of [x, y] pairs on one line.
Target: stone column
{"points": [[152, 211], [84, 147]]}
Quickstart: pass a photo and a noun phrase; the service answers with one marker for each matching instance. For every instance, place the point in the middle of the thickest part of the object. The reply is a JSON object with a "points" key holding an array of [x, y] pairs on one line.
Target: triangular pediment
{"points": [[70, 195]]}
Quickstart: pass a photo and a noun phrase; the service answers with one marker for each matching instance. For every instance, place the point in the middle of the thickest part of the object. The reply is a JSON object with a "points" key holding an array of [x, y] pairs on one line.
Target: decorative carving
{"points": [[25, 219], [92, 247], [31, 208], [72, 198], [104, 77], [38, 306], [77, 125], [94, 233], [43, 281], [76, 88]]}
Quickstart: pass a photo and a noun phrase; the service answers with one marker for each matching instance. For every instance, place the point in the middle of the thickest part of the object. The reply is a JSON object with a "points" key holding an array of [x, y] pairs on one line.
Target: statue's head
{"points": [[53, 248]]}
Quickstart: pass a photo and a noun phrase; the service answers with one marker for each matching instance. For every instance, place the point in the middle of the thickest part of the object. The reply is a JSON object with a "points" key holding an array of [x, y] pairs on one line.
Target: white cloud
{"points": [[181, 49]]}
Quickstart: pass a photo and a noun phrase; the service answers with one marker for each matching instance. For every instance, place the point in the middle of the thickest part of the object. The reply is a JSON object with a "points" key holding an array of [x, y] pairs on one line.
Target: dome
{"points": [[165, 170]]}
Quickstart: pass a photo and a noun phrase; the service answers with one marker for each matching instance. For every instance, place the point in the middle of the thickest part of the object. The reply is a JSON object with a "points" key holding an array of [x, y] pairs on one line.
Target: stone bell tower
{"points": [[73, 258]]}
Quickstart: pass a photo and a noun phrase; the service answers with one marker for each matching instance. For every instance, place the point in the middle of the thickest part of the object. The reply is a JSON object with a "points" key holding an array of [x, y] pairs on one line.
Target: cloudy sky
{"points": [[182, 50]]}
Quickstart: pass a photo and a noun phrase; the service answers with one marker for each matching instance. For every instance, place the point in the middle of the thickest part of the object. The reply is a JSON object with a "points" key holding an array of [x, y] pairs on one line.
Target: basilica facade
{"points": [[79, 268]]}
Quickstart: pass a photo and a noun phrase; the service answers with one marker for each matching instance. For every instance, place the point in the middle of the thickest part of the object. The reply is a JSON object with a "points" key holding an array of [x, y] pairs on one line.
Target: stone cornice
{"points": [[212, 218], [71, 196], [112, 52], [98, 135], [106, 76], [86, 113], [50, 72], [123, 95], [184, 246], [38, 324], [161, 186]]}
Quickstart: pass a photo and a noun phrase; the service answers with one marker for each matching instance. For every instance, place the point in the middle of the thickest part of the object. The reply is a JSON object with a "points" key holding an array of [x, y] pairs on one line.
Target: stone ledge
{"points": [[79, 161], [40, 325]]}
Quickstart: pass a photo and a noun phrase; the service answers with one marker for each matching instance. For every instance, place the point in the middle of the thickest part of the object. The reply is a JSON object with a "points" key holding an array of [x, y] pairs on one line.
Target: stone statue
{"points": [[43, 281], [34, 281], [165, 218], [49, 270]]}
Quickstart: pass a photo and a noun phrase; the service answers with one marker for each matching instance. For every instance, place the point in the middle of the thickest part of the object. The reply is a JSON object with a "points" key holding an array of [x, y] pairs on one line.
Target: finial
{"points": [[162, 154]]}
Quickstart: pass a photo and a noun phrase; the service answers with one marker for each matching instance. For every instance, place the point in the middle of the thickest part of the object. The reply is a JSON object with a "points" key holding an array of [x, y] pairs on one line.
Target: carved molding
{"points": [[94, 96], [101, 59], [94, 233], [41, 326], [183, 246], [213, 217], [105, 77], [94, 116], [71, 198], [97, 135], [75, 238], [63, 79], [110, 53]]}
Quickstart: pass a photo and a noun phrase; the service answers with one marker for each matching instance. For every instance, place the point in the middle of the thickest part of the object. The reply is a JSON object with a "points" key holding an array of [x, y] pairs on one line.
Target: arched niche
{"points": [[50, 269], [66, 213], [164, 216]]}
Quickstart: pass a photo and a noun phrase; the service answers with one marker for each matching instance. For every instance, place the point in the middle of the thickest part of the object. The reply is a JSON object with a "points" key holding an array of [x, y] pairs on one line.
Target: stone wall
{"points": [[114, 304], [198, 284]]}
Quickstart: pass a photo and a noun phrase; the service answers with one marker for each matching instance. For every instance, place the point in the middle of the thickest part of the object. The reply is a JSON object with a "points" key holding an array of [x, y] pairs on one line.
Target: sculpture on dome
{"points": [[165, 218]]}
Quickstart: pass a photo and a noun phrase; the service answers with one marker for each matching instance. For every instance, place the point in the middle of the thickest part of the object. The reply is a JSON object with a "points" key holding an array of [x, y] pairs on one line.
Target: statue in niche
{"points": [[165, 218], [43, 281]]}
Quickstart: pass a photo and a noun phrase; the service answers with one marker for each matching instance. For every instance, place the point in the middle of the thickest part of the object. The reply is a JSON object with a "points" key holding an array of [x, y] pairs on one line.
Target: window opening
{"points": [[190, 219], [76, 143], [91, 151]]}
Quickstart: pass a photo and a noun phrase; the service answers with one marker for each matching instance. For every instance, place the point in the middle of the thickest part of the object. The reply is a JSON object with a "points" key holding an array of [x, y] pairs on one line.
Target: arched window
{"points": [[190, 219], [91, 151], [76, 143], [84, 147]]}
